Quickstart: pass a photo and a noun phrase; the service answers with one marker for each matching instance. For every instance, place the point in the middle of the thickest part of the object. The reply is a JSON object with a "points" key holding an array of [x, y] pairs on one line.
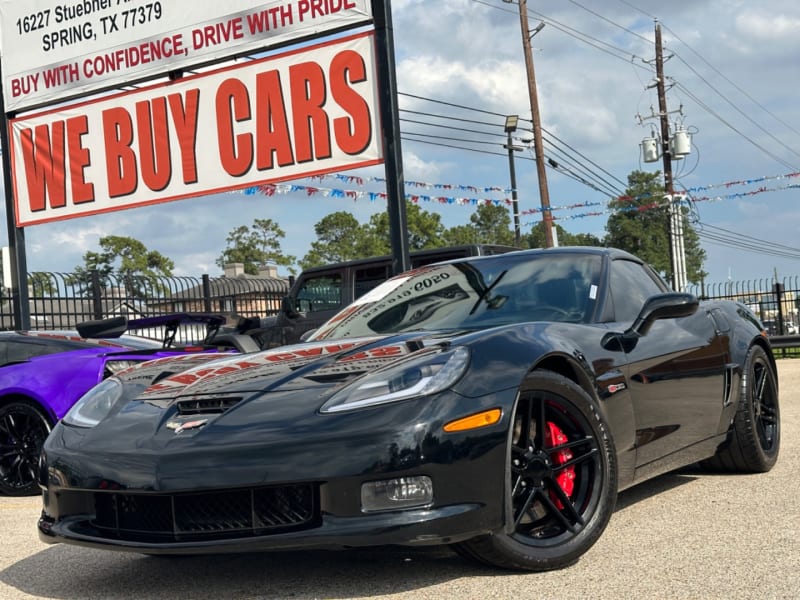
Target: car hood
{"points": [[295, 367]]}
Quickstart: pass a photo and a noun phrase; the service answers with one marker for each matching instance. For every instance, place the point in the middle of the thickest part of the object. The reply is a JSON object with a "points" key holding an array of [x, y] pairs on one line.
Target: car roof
{"points": [[611, 253], [448, 253]]}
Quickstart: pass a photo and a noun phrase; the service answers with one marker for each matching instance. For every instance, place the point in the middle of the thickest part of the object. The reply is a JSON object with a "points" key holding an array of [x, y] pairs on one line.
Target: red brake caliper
{"points": [[553, 436]]}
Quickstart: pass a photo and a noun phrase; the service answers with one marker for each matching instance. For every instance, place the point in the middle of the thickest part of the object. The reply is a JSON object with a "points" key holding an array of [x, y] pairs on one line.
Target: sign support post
{"points": [[20, 305], [393, 156]]}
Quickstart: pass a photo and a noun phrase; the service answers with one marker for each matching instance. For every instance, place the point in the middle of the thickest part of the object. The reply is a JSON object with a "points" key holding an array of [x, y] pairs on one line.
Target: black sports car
{"points": [[496, 404]]}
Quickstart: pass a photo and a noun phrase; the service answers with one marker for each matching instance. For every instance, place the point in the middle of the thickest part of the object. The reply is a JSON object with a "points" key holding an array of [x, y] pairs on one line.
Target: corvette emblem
{"points": [[616, 387], [179, 426]]}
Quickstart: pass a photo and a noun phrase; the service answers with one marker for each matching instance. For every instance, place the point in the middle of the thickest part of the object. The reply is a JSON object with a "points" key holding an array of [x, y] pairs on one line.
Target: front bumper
{"points": [[296, 490], [420, 527]]}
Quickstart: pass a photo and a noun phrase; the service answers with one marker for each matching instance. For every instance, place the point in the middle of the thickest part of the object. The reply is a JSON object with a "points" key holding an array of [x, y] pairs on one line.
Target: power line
{"points": [[732, 239], [719, 117], [738, 88], [622, 54], [736, 108], [589, 177], [607, 20]]}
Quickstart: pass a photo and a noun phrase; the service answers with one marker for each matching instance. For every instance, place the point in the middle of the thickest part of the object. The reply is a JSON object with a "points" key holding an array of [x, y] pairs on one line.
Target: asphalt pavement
{"points": [[687, 535]]}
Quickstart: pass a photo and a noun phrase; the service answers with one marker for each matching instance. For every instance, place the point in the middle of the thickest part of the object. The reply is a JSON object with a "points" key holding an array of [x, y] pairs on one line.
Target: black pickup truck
{"points": [[320, 292]]}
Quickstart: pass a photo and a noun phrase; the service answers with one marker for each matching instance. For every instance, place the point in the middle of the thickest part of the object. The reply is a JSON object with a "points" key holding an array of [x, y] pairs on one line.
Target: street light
{"points": [[511, 126]]}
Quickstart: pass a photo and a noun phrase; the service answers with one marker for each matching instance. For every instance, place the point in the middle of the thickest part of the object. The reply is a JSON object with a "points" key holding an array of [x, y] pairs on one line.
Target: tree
{"points": [[537, 239], [340, 237], [255, 246], [41, 284], [126, 255], [425, 229], [640, 225], [489, 224]]}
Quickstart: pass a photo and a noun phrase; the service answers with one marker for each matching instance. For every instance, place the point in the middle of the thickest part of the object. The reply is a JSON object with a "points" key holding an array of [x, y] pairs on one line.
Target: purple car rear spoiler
{"points": [[114, 327]]}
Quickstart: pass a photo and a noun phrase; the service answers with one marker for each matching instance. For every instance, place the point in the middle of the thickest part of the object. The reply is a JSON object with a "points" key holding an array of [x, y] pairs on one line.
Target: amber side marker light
{"points": [[481, 419]]}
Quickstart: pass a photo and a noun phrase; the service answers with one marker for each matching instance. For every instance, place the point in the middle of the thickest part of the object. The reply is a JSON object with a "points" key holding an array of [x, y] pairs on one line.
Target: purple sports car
{"points": [[43, 373]]}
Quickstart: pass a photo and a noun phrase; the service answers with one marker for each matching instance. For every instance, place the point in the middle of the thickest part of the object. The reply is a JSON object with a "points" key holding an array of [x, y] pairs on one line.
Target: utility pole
{"points": [[538, 146], [677, 252]]}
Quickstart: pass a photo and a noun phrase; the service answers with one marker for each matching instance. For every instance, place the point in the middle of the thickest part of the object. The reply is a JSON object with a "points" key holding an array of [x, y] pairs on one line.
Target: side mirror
{"points": [[663, 306], [307, 334]]}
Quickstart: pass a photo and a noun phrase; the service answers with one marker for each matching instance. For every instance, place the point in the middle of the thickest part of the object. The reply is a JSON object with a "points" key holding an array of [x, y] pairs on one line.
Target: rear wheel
{"points": [[562, 483], [756, 432], [23, 430]]}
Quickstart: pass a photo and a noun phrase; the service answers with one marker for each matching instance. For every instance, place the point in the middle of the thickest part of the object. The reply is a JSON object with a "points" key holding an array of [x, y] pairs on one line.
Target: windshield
{"points": [[473, 294]]}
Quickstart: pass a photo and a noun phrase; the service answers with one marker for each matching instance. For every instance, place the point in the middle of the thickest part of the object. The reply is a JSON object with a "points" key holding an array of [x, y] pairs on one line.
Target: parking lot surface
{"points": [[688, 534]]}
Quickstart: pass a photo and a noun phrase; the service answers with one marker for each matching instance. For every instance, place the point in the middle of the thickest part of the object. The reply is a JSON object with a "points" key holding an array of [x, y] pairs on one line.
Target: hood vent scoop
{"points": [[206, 406]]}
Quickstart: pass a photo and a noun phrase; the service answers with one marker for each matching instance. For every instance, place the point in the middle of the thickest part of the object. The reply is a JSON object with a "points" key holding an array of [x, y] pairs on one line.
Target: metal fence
{"points": [[60, 300], [775, 302]]}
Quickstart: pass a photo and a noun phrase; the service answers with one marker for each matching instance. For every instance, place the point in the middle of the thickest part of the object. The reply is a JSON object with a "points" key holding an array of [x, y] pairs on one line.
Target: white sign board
{"points": [[305, 112], [52, 50]]}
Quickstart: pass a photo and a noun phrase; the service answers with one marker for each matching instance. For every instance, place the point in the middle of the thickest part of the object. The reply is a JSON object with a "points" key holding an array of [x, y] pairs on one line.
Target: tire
{"points": [[755, 436], [562, 484], [23, 430]]}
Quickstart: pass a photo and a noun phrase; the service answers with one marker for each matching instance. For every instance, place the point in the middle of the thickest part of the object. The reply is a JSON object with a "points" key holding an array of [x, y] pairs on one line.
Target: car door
{"points": [[675, 373]]}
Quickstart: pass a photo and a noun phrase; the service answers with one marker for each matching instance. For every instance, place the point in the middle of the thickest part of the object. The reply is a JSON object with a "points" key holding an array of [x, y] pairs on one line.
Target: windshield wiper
{"points": [[485, 294]]}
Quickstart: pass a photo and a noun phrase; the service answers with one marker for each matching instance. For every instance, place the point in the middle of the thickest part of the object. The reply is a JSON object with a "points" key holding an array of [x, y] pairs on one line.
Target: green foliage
{"points": [[255, 246], [536, 238], [127, 256], [489, 224], [41, 284], [640, 225], [340, 237], [425, 229]]}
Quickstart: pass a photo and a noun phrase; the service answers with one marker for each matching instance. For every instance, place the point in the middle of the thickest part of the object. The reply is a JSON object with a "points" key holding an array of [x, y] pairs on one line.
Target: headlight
{"points": [[419, 376], [95, 404]]}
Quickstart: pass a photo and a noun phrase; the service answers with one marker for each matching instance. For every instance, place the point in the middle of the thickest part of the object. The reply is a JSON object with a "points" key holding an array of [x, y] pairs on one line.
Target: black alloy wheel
{"points": [[23, 430], [755, 437], [562, 479], [764, 405]]}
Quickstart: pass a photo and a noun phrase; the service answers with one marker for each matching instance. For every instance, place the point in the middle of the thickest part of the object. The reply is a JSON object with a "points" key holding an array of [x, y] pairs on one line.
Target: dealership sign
{"points": [[296, 114], [54, 50]]}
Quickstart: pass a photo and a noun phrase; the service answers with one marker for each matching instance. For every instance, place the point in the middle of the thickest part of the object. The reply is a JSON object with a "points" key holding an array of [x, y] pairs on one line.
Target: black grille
{"points": [[205, 406], [221, 514]]}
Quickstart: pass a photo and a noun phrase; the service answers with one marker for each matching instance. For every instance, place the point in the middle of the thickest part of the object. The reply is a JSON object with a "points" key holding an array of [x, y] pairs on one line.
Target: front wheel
{"points": [[562, 479], [23, 430]]}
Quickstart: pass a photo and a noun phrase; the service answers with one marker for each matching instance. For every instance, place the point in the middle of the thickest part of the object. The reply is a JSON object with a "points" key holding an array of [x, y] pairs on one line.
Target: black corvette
{"points": [[497, 404]]}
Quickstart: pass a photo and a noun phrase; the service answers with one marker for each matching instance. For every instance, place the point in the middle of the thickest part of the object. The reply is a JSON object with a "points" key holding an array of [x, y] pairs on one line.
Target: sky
{"points": [[733, 79]]}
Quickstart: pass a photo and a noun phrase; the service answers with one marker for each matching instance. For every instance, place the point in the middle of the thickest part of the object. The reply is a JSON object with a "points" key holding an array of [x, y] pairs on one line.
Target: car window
{"points": [[23, 349], [320, 293], [368, 278], [631, 285]]}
